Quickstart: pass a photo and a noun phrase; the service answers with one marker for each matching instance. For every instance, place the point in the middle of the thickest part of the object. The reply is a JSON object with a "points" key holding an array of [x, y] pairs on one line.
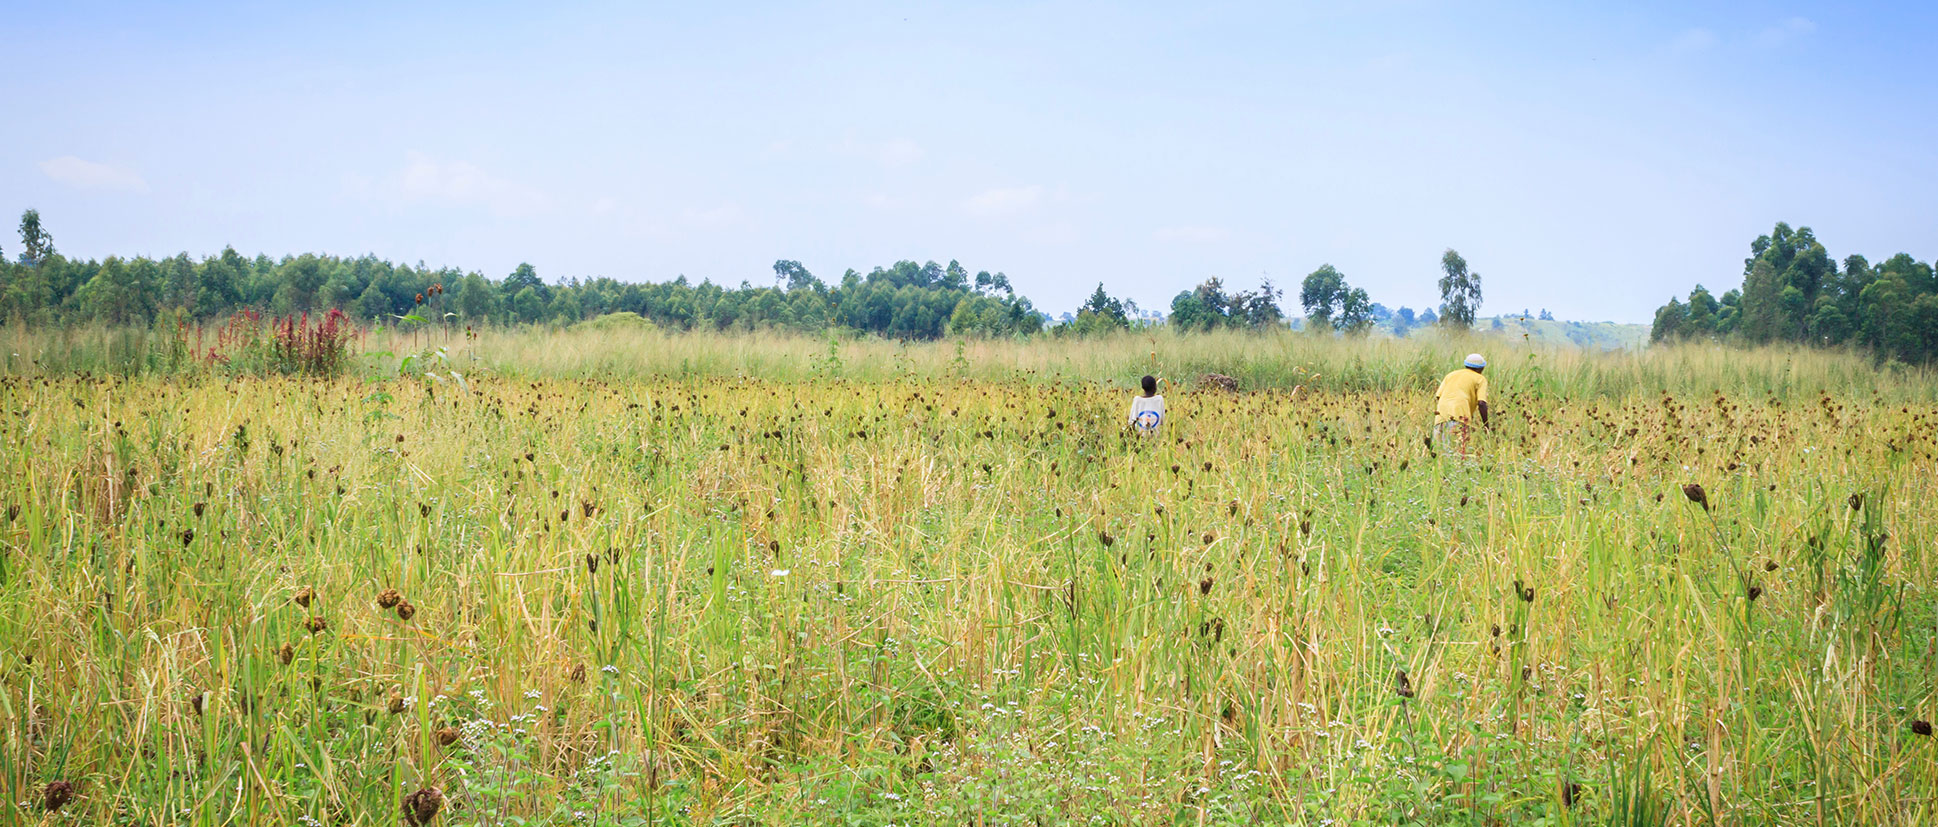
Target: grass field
{"points": [[645, 579]]}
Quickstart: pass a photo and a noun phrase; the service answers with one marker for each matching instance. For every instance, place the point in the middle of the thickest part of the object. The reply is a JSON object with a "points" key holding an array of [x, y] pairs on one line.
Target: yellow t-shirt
{"points": [[1459, 396]]}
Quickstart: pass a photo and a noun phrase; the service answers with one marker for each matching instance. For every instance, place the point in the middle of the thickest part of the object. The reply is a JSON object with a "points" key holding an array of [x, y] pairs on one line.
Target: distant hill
{"points": [[1552, 332], [1590, 335]]}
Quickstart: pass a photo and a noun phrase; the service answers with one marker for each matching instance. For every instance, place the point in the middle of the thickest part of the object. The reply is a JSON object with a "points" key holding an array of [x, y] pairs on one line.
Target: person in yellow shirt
{"points": [[1462, 395]]}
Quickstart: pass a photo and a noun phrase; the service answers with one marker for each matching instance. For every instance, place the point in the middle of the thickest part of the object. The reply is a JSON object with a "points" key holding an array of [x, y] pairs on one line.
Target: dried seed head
{"points": [[1570, 793], [316, 624], [1402, 685], [55, 795], [1755, 592], [591, 563], [198, 508], [447, 736], [389, 598], [286, 654], [578, 673], [1921, 727], [1696, 495], [1204, 586], [405, 611], [1857, 501], [422, 806], [1105, 538], [304, 595], [396, 705]]}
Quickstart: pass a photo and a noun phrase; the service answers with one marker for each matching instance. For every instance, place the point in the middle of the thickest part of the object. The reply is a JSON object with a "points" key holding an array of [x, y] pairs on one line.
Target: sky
{"points": [[1589, 158]]}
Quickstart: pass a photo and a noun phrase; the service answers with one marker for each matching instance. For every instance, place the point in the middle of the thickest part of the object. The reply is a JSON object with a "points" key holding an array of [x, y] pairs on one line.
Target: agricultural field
{"points": [[546, 578]]}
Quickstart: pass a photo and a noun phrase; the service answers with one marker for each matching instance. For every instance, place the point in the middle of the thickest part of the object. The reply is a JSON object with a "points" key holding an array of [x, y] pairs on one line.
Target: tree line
{"points": [[1794, 291], [904, 300]]}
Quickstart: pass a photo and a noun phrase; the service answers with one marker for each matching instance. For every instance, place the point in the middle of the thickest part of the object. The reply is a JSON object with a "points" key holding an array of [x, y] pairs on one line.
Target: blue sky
{"points": [[1591, 159]]}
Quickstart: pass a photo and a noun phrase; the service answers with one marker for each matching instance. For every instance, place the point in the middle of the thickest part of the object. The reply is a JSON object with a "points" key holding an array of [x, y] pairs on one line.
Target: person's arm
{"points": [[1481, 394]]}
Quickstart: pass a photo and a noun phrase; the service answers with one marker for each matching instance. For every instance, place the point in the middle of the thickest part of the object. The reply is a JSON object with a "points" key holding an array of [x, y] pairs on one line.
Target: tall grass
{"points": [[695, 581], [1259, 361]]}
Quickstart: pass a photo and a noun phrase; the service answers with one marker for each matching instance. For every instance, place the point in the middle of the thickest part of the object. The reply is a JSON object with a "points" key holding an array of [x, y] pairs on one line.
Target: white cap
{"points": [[1474, 360]]}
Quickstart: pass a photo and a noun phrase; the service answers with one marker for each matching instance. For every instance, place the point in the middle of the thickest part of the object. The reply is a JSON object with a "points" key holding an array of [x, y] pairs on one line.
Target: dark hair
{"points": [[1150, 385]]}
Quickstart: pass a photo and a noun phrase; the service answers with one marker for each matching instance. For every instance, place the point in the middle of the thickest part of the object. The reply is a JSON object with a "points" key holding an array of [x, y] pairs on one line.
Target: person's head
{"points": [[1476, 363], [1150, 385]]}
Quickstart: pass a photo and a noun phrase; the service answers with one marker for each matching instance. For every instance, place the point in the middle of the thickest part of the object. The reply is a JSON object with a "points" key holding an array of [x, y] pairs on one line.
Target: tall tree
{"points": [[1459, 291], [1355, 310], [1319, 296], [36, 244], [523, 276], [795, 277]]}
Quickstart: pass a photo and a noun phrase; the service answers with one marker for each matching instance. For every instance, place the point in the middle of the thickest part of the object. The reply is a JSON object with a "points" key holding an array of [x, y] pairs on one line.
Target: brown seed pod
{"points": [[286, 654], [421, 807], [405, 611], [304, 595], [396, 705], [1857, 501], [389, 598], [1921, 727], [1402, 685], [56, 795], [1204, 586], [447, 736], [1570, 793], [316, 624], [1755, 592], [1696, 495]]}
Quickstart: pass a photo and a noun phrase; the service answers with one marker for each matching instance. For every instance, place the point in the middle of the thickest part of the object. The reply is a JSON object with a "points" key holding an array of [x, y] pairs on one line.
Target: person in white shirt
{"points": [[1147, 411]]}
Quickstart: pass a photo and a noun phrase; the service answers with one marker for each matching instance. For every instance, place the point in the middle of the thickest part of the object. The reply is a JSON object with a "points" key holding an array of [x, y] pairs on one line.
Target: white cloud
{"points": [[1004, 200], [899, 152], [713, 216], [1785, 32], [1192, 234], [462, 183], [91, 175], [1692, 40], [892, 153]]}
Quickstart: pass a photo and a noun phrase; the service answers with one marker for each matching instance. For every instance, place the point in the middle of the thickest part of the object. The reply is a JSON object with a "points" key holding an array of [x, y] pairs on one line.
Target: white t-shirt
{"points": [[1147, 412]]}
